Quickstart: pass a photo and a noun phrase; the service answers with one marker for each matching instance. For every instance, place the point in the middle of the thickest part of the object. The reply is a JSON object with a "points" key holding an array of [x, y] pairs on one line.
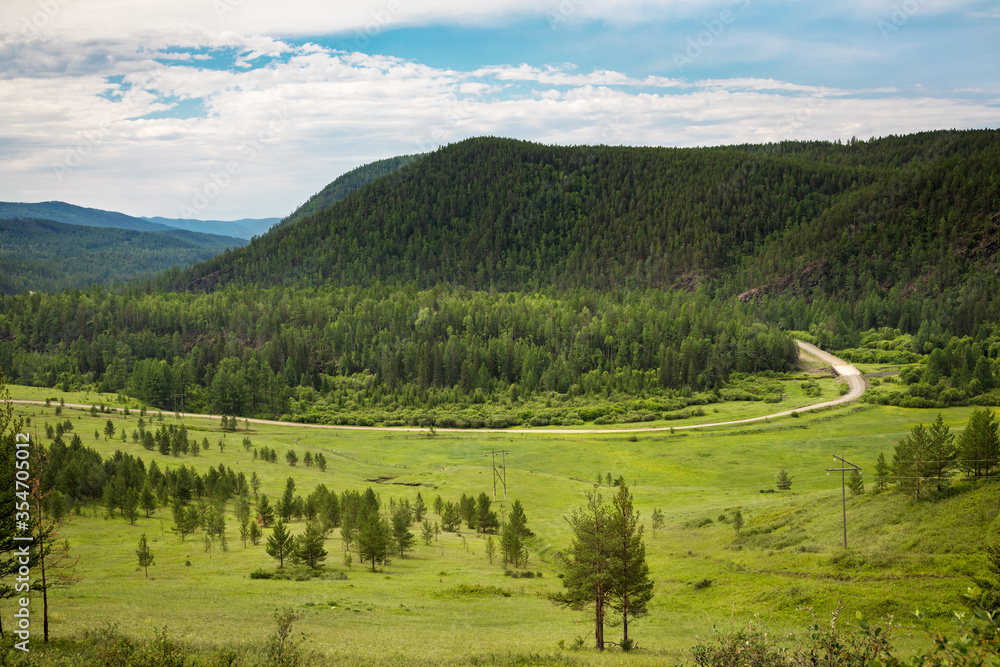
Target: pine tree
{"points": [[427, 532], [373, 538], [264, 510], [144, 554], [784, 482], [737, 522], [941, 452], [130, 507], [882, 471], [309, 546], [513, 537], [588, 575], [855, 483], [255, 533], [909, 459], [147, 499], [631, 588], [401, 530], [419, 509], [978, 445], [280, 544], [486, 518]]}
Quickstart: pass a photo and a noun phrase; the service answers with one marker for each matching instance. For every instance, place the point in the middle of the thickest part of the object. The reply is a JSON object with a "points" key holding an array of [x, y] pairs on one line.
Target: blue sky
{"points": [[223, 109]]}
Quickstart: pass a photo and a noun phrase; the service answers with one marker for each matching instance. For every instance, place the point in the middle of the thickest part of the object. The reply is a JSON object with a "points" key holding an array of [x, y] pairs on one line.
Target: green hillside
{"points": [[917, 213], [42, 255], [350, 182]]}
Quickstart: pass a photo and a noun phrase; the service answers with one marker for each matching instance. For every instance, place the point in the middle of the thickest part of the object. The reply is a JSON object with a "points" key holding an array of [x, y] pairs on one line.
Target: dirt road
{"points": [[851, 374]]}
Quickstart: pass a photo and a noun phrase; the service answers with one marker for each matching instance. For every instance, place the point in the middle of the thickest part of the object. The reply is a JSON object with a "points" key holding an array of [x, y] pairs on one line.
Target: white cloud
{"points": [[280, 121]]}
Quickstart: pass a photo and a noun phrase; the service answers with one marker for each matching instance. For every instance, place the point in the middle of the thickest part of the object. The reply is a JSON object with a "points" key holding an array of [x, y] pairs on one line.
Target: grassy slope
{"points": [[904, 555]]}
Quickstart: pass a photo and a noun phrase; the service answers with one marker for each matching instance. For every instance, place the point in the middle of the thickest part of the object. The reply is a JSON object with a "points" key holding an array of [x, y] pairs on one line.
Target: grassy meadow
{"points": [[446, 604]]}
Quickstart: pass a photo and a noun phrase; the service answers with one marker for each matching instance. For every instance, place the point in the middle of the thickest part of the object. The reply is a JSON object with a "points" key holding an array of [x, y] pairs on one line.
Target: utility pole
{"points": [[181, 397], [843, 486], [500, 474]]}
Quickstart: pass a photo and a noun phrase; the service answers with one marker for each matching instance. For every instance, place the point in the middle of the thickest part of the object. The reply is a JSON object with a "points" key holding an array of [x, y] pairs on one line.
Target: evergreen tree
{"points": [[401, 530], [631, 588], [451, 517], [280, 544], [109, 429], [255, 533], [737, 522], [882, 471], [909, 459], [147, 499], [855, 483], [427, 532], [941, 452], [286, 506], [588, 574], [264, 510], [320, 461], [130, 507], [784, 482], [979, 445], [373, 538], [309, 546], [419, 509], [144, 554], [486, 518], [513, 539]]}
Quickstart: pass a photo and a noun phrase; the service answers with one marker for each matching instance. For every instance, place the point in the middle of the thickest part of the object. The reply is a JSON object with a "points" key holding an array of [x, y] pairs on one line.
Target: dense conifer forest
{"points": [[495, 270]]}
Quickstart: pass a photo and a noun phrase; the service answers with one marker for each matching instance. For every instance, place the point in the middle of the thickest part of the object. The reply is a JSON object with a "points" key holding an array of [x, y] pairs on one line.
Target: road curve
{"points": [[845, 370]]}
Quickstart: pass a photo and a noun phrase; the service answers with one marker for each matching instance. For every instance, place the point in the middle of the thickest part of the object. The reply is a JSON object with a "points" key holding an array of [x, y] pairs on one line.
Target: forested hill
{"points": [[44, 255], [347, 183], [916, 212]]}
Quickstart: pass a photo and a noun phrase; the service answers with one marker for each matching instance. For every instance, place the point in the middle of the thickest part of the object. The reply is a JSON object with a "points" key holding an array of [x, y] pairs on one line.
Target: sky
{"points": [[227, 109]]}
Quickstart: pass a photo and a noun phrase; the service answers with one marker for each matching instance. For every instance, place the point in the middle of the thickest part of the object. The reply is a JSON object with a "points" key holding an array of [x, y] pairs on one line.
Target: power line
{"points": [[843, 486], [500, 474]]}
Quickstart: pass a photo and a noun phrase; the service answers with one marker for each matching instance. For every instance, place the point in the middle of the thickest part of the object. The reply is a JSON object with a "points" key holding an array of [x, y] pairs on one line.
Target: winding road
{"points": [[845, 370]]}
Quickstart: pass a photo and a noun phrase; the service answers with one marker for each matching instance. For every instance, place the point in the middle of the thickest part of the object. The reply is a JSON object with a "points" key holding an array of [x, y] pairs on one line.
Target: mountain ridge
{"points": [[507, 214]]}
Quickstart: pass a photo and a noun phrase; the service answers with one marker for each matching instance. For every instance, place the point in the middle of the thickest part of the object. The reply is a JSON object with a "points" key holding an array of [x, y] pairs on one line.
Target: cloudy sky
{"points": [[223, 109]]}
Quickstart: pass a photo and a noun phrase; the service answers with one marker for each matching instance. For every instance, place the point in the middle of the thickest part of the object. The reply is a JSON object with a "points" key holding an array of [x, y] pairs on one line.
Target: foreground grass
{"points": [[435, 606]]}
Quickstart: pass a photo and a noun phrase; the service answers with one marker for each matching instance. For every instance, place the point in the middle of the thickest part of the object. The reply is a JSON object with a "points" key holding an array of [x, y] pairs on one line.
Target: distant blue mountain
{"points": [[77, 215], [245, 228], [92, 217]]}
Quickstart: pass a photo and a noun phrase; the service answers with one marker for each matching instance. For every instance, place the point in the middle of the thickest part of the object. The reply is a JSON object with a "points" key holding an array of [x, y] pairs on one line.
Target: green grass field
{"points": [[904, 555]]}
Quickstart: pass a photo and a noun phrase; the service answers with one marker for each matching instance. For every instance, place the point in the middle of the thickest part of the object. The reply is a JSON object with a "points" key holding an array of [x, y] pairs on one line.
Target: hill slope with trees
{"points": [[43, 255], [916, 212]]}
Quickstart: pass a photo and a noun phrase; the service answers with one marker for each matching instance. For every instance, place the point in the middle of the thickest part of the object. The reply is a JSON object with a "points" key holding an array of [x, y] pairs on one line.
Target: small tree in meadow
{"points": [[784, 482], [144, 554], [279, 544]]}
